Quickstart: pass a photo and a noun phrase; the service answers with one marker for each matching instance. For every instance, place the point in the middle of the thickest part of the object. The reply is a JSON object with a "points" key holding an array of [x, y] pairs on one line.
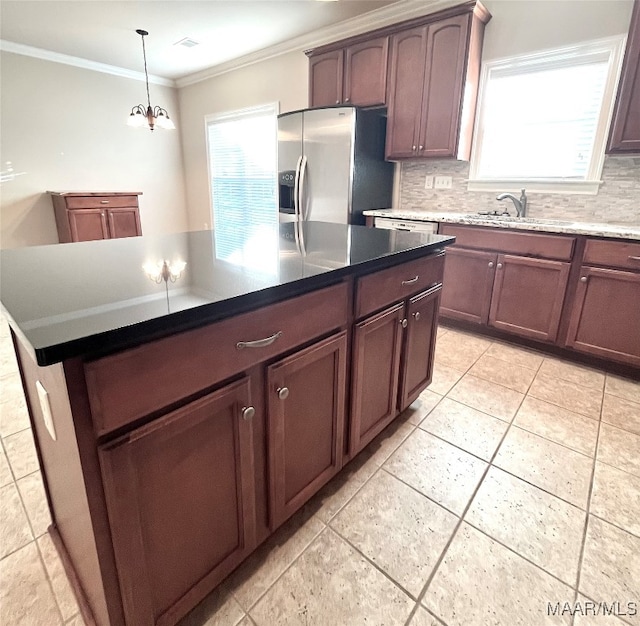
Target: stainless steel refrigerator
{"points": [[331, 164]]}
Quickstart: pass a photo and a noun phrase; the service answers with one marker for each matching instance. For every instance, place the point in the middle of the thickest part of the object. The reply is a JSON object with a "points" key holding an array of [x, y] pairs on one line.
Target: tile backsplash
{"points": [[617, 202]]}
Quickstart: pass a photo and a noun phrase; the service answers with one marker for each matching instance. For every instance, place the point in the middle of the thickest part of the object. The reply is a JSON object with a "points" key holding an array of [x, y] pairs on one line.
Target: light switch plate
{"points": [[428, 182], [443, 182], [45, 405]]}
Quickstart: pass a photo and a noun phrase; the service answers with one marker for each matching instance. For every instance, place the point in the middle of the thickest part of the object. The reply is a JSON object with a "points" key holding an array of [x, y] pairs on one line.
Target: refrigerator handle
{"points": [[303, 171], [296, 189]]}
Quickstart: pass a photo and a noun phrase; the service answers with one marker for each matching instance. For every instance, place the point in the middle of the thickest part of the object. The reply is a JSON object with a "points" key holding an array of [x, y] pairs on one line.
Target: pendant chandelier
{"points": [[154, 116]]}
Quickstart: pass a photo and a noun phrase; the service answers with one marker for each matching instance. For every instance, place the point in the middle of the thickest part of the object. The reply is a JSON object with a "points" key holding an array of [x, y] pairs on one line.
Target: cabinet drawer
{"points": [[624, 254], [380, 289], [100, 202], [529, 244], [137, 382]]}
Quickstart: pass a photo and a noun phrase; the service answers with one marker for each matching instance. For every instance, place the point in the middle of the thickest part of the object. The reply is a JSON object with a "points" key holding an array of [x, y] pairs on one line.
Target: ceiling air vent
{"points": [[187, 43]]}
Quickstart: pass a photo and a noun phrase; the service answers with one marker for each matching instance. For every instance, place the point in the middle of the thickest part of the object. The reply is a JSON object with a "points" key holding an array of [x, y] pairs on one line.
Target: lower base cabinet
{"points": [[306, 409], [517, 294], [605, 319], [180, 497], [392, 363]]}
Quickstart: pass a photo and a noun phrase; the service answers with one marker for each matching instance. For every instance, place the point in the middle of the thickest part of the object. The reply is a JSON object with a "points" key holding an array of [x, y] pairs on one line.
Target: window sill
{"points": [[581, 187]]}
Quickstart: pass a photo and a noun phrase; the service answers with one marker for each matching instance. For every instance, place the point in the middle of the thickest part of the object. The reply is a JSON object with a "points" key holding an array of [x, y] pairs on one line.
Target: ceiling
{"points": [[103, 31]]}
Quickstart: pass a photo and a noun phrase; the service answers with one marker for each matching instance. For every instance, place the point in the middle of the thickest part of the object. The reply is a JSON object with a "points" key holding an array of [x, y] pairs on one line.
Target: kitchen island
{"points": [[189, 392]]}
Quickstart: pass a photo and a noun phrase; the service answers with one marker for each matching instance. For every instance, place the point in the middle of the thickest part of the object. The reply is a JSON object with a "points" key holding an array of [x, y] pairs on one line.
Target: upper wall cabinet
{"points": [[433, 87], [426, 70], [624, 136], [354, 74]]}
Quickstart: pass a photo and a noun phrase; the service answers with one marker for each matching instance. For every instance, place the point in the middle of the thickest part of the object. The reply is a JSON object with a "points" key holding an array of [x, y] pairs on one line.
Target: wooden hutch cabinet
{"points": [[91, 215]]}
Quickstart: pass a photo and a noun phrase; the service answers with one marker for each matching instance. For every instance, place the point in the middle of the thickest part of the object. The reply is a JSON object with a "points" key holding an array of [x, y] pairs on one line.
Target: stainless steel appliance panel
{"points": [[327, 168]]}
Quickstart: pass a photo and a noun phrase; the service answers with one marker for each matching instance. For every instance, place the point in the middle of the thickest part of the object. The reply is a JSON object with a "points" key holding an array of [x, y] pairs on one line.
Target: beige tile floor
{"points": [[512, 483]]}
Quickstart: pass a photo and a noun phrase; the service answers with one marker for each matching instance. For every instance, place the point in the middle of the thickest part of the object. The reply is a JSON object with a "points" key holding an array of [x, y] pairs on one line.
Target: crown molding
{"points": [[402, 10], [56, 57]]}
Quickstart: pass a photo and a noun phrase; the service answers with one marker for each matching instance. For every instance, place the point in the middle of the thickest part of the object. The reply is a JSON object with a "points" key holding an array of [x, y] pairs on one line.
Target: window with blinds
{"points": [[242, 154], [543, 119]]}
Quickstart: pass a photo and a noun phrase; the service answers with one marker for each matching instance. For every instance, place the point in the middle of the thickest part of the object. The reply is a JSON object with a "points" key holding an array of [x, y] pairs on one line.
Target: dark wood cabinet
{"points": [[306, 410], [377, 345], [528, 295], [180, 498], [433, 87], [605, 317], [325, 78], [468, 284], [624, 135], [89, 216], [356, 74], [522, 294], [605, 320], [419, 346]]}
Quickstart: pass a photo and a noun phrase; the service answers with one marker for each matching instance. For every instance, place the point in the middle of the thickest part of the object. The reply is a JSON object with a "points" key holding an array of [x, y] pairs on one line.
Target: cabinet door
{"points": [[306, 406], [124, 222], [624, 137], [88, 224], [528, 295], [419, 345], [406, 85], [325, 78], [443, 84], [467, 284], [605, 320], [365, 74], [180, 500], [376, 368]]}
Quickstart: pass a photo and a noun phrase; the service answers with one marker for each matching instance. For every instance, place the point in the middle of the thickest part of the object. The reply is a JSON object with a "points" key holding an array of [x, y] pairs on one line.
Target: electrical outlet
{"points": [[443, 182], [428, 182]]}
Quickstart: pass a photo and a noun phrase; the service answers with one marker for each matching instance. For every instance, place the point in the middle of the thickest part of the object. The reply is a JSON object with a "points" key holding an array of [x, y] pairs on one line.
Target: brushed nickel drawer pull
{"points": [[104, 201], [583, 279], [259, 343], [283, 392], [416, 315], [634, 258], [403, 322], [411, 281]]}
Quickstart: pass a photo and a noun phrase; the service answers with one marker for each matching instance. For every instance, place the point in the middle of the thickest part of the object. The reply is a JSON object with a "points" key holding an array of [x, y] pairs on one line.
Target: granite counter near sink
{"points": [[549, 226]]}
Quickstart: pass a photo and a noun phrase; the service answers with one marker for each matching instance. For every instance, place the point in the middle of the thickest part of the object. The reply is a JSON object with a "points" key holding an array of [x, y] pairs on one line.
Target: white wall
{"points": [[66, 128], [522, 26], [282, 79]]}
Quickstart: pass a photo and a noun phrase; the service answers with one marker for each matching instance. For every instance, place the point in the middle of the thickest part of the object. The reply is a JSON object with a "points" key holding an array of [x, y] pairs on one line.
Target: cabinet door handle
{"points": [[259, 343], [403, 322], [247, 413], [490, 263], [104, 201], [499, 266], [346, 99], [411, 281], [583, 279], [283, 392], [634, 258], [337, 101], [420, 147], [416, 315], [413, 148]]}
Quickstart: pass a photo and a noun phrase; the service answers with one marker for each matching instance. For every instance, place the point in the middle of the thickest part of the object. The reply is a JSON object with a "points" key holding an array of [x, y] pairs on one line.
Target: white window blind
{"points": [[242, 149], [543, 118]]}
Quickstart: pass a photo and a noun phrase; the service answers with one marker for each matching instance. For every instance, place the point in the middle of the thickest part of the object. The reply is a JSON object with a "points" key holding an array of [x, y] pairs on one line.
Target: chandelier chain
{"points": [[146, 74]]}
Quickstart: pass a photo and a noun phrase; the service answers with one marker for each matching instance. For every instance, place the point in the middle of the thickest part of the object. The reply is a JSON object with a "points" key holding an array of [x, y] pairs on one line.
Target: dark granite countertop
{"points": [[90, 299]]}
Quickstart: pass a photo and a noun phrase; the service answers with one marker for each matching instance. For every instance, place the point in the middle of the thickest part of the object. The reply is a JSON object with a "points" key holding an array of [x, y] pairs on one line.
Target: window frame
{"points": [[550, 58]]}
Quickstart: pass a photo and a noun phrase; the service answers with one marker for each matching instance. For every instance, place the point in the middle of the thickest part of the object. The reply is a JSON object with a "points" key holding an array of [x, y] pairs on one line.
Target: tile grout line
{"points": [[461, 520], [586, 521]]}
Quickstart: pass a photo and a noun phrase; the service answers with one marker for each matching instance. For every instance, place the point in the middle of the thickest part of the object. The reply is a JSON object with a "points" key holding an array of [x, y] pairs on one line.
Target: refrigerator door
{"points": [[289, 159], [328, 173]]}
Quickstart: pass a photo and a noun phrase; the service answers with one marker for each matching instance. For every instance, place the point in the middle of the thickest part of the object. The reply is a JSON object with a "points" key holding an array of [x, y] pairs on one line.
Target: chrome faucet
{"points": [[521, 204]]}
